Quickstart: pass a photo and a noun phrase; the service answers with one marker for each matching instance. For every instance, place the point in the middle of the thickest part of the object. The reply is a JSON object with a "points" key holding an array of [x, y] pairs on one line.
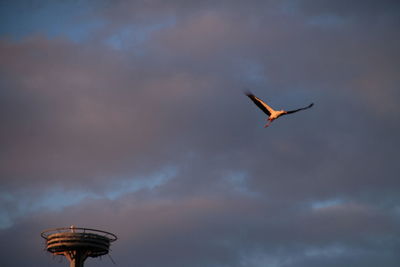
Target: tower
{"points": [[77, 244]]}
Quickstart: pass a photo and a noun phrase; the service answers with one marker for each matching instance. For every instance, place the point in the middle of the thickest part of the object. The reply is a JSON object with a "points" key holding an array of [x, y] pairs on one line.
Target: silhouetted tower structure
{"points": [[77, 244]]}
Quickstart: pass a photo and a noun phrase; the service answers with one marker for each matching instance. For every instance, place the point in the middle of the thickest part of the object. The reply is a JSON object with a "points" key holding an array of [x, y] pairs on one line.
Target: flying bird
{"points": [[272, 114]]}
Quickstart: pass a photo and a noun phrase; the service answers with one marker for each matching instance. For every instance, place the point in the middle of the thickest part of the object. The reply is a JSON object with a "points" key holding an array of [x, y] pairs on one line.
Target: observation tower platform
{"points": [[77, 244]]}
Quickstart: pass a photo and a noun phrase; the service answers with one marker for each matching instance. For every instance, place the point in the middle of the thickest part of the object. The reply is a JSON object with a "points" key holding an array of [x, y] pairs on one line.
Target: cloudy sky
{"points": [[130, 117]]}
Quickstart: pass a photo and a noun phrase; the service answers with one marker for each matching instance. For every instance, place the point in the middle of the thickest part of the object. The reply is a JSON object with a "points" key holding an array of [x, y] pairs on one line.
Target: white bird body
{"points": [[272, 114], [276, 114]]}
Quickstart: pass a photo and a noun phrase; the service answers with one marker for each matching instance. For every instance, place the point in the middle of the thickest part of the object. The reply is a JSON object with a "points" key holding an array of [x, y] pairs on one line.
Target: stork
{"points": [[272, 114]]}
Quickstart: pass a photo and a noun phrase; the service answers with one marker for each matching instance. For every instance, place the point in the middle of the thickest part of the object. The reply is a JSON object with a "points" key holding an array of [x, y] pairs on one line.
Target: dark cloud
{"points": [[221, 231], [367, 9], [141, 128]]}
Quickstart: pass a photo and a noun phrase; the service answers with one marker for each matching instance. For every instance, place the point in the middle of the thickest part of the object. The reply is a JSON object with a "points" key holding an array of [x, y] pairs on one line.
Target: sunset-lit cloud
{"points": [[130, 117]]}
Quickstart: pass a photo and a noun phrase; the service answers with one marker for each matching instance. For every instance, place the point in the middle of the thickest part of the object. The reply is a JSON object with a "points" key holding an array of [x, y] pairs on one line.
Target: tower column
{"points": [[76, 258]]}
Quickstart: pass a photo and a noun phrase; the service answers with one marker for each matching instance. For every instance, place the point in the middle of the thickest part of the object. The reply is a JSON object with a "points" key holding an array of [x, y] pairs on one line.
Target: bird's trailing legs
{"points": [[269, 122]]}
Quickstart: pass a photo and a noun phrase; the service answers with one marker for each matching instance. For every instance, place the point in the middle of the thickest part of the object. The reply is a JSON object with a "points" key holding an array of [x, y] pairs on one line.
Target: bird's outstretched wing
{"points": [[295, 110], [261, 104]]}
